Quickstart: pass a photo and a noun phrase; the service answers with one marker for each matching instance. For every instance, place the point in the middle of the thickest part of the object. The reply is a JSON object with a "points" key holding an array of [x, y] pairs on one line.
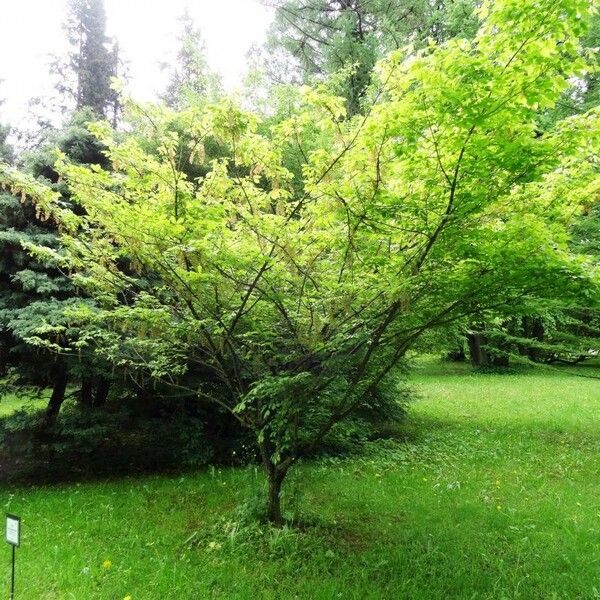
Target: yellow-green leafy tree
{"points": [[441, 202]]}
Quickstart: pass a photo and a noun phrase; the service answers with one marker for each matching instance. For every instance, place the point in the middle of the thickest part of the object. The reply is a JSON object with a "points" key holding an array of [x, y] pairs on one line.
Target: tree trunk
{"points": [[480, 356], [58, 395], [477, 351], [102, 390], [537, 333], [456, 354], [275, 476], [275, 479], [86, 395]]}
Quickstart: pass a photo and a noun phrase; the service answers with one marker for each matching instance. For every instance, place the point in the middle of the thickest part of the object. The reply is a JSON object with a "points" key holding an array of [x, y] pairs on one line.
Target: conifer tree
{"points": [[190, 77], [30, 292], [321, 37], [33, 290], [93, 59]]}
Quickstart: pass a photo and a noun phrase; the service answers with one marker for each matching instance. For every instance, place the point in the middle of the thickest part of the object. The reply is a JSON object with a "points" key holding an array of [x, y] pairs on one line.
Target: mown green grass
{"points": [[11, 402], [494, 494]]}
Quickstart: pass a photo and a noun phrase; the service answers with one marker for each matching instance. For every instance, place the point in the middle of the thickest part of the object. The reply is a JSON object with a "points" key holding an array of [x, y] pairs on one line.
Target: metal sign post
{"points": [[13, 537], [12, 576]]}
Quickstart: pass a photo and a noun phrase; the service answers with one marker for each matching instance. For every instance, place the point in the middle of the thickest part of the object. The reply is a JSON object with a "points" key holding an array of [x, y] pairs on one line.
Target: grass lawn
{"points": [[495, 495], [10, 403]]}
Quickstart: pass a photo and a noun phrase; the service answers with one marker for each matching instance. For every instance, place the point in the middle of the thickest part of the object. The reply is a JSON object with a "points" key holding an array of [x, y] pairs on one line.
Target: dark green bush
{"points": [[152, 434], [101, 443]]}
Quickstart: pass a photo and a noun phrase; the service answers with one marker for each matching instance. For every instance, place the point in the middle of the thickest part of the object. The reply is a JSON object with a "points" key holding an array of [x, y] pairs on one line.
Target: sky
{"points": [[147, 32]]}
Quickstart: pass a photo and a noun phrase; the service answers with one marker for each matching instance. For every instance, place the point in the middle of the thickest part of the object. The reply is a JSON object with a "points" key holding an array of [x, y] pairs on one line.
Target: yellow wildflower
{"points": [[107, 564]]}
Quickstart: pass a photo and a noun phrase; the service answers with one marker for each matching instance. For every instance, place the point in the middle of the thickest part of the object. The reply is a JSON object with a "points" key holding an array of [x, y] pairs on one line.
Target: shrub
{"points": [[118, 440]]}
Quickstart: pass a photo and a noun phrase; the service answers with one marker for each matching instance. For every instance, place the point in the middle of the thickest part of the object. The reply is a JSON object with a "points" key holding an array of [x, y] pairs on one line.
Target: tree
{"points": [[439, 204], [190, 78], [541, 330], [85, 76], [34, 292], [6, 151], [31, 292], [326, 36]]}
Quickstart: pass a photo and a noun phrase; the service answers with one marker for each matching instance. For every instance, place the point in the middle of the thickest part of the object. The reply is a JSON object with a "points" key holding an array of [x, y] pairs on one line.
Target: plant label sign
{"points": [[13, 530]]}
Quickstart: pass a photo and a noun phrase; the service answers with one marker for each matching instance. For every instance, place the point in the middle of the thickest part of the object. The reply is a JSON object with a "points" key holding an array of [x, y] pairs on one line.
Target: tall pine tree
{"points": [[190, 78], [92, 60]]}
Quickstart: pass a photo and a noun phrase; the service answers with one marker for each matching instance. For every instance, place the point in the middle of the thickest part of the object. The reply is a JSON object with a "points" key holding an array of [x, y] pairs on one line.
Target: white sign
{"points": [[13, 530]]}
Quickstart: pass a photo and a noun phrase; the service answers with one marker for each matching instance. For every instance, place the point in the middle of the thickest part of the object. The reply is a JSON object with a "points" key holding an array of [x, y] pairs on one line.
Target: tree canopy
{"points": [[313, 39]]}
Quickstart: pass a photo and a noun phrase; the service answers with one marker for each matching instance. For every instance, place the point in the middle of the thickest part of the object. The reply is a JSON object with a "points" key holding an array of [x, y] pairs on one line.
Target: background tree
{"points": [[322, 37], [85, 82], [6, 151], [29, 291], [550, 331], [190, 77], [35, 291], [93, 60]]}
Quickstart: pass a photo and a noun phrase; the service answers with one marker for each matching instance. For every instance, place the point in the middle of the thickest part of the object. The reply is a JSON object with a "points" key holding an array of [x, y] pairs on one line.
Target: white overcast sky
{"points": [[147, 31]]}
